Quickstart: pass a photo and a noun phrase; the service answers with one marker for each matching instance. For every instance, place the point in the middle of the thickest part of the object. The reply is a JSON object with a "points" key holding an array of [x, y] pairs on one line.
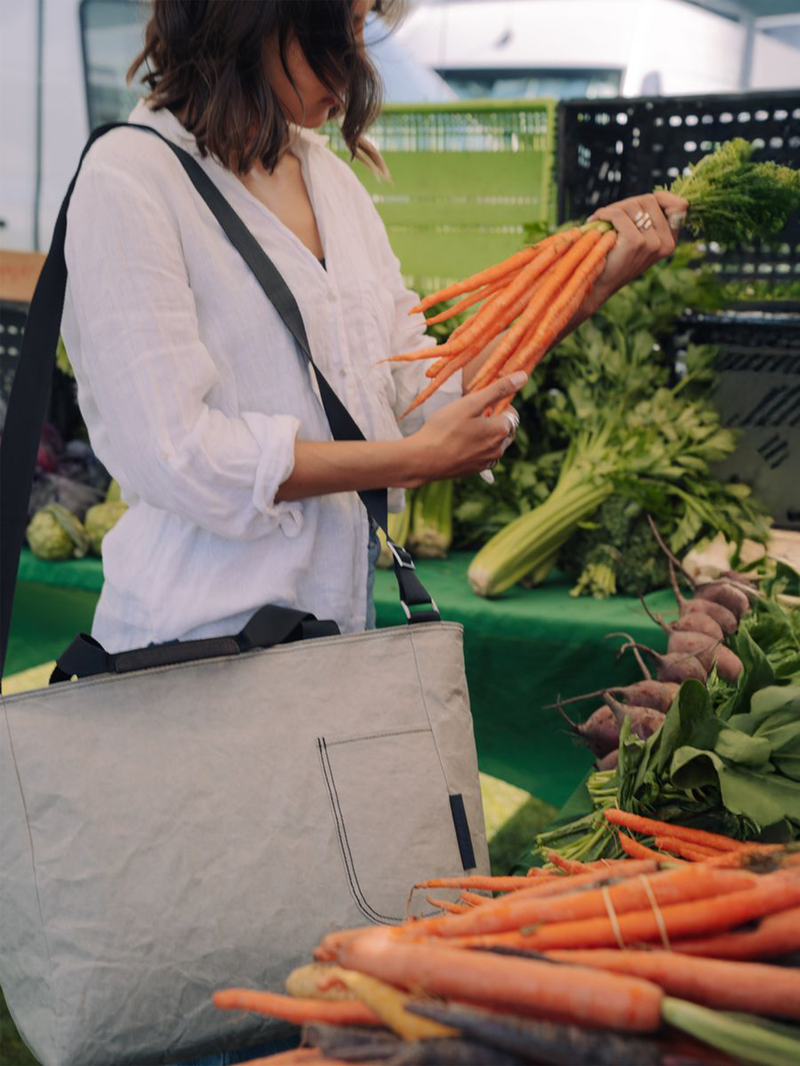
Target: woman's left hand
{"points": [[638, 246]]}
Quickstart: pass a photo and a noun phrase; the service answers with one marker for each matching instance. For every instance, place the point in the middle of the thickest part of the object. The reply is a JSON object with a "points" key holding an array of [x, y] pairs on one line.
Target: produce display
{"points": [[535, 292], [609, 432], [713, 740], [73, 501], [623, 961]]}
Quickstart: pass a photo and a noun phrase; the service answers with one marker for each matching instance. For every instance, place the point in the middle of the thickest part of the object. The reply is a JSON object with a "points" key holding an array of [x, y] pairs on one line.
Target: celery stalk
{"points": [[399, 528], [741, 1036], [432, 520]]}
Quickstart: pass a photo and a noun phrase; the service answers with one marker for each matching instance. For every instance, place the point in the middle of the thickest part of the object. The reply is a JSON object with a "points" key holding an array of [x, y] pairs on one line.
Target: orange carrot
{"points": [[489, 884], [569, 866], [513, 300], [526, 985], [474, 900], [745, 986], [636, 850], [557, 316], [667, 888], [447, 905], [436, 368], [274, 1005], [538, 871], [539, 307], [483, 277], [775, 934], [651, 827], [296, 1057], [447, 371], [473, 298], [692, 852], [775, 892]]}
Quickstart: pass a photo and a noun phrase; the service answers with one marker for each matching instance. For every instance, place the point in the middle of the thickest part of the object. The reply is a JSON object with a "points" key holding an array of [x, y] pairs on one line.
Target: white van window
{"points": [[529, 84], [112, 35]]}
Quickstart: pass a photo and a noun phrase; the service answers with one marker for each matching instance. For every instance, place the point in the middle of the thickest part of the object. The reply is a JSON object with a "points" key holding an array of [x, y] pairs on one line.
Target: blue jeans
{"points": [[373, 551], [228, 1058]]}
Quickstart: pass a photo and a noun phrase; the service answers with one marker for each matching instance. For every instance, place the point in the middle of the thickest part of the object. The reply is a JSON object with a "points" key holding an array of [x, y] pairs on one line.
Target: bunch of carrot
{"points": [[534, 294], [574, 963]]}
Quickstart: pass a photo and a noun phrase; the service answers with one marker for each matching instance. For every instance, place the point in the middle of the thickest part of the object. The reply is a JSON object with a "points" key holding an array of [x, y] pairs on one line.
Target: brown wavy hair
{"points": [[204, 62]]}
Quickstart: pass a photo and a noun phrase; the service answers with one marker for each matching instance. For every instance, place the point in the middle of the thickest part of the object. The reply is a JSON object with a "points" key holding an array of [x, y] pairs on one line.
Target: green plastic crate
{"points": [[466, 178]]}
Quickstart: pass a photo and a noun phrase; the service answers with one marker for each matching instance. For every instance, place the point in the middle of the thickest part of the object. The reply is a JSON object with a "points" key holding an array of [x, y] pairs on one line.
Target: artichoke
{"points": [[100, 519], [55, 533]]}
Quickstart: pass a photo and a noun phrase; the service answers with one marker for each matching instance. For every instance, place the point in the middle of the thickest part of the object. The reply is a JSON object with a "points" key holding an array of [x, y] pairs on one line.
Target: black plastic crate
{"points": [[758, 393], [612, 148], [62, 406]]}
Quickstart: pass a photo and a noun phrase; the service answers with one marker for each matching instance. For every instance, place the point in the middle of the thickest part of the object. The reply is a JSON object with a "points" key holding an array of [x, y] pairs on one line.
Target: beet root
{"points": [[656, 694], [726, 593], [725, 619], [600, 731], [610, 761], [698, 622], [675, 666], [644, 720], [696, 644], [729, 665]]}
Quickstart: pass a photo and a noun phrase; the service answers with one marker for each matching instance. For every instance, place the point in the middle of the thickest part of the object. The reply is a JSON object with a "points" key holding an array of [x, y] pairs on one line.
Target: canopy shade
{"points": [[755, 8]]}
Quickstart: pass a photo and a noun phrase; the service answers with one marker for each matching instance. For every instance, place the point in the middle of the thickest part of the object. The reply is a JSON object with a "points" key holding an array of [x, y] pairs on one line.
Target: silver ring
{"points": [[642, 220], [512, 418]]}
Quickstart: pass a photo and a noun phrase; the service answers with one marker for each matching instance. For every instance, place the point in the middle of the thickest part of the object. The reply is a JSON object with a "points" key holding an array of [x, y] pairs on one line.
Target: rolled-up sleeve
{"points": [[142, 364]]}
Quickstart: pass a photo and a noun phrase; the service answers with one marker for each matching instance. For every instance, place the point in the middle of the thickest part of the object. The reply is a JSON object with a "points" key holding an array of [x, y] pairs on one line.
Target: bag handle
{"points": [[28, 400], [269, 626]]}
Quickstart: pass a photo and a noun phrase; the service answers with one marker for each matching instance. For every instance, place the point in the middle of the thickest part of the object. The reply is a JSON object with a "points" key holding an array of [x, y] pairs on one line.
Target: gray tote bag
{"points": [[197, 815]]}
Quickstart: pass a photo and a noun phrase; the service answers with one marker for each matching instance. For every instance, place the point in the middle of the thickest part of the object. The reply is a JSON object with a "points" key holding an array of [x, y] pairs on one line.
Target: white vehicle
{"points": [[591, 48], [62, 73]]}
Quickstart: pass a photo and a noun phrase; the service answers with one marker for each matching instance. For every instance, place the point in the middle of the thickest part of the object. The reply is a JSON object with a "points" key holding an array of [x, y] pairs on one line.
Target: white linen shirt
{"points": [[193, 390]]}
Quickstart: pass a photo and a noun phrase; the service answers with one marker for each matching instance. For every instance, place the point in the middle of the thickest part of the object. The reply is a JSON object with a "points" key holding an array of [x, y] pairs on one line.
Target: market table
{"points": [[522, 650]]}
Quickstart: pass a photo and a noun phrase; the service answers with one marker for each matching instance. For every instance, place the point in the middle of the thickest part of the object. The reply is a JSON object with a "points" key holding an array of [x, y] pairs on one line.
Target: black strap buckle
{"points": [[401, 555]]}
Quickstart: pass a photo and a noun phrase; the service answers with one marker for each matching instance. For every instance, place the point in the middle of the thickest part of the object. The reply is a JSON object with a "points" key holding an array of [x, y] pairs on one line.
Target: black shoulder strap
{"points": [[28, 400]]}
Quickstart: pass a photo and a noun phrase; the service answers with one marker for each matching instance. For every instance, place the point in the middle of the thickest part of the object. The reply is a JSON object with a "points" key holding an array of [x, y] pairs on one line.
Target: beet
{"points": [[675, 666], [696, 644], [698, 622], [725, 619], [609, 762], [725, 593], [600, 731], [729, 665], [656, 694], [644, 720]]}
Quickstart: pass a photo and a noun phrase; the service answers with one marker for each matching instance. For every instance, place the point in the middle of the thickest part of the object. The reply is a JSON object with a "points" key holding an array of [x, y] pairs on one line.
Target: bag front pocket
{"points": [[394, 819]]}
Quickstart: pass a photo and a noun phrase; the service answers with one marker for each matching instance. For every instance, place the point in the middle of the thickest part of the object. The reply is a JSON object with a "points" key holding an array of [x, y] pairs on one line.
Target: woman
{"points": [[192, 390]]}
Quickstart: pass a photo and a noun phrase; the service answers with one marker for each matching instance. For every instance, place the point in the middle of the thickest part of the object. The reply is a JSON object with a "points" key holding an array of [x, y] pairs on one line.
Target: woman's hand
{"points": [[637, 248], [459, 439]]}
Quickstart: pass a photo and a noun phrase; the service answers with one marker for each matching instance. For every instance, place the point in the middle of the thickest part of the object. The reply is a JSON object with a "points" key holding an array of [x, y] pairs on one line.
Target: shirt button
{"points": [[342, 373], [332, 297], [164, 455]]}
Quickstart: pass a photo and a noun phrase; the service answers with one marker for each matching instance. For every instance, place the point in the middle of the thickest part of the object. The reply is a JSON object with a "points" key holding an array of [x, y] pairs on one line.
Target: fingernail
{"points": [[639, 215], [518, 378]]}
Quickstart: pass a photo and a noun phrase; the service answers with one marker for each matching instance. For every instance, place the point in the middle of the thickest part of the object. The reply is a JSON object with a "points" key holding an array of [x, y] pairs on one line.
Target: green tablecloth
{"points": [[522, 650]]}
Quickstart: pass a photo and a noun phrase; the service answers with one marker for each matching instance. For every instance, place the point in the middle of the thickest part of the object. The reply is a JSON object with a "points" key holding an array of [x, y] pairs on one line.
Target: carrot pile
{"points": [[533, 294], [612, 961]]}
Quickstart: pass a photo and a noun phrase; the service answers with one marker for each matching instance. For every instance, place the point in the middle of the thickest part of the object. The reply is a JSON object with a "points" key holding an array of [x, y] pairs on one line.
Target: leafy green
{"points": [[732, 199], [607, 419]]}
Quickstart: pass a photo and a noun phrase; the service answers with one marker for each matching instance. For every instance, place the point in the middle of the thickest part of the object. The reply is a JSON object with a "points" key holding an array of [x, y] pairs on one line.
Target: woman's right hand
{"points": [[459, 439]]}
